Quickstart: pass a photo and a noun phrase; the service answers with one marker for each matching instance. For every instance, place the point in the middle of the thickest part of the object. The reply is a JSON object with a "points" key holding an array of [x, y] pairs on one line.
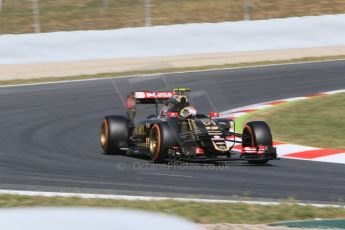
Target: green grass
{"points": [[318, 121], [168, 70], [197, 212], [65, 15]]}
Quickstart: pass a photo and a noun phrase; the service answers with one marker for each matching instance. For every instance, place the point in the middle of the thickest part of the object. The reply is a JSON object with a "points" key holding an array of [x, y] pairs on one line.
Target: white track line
{"points": [[161, 73], [147, 198]]}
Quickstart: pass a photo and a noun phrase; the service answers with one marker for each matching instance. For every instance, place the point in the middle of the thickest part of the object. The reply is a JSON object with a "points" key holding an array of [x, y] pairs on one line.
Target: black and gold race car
{"points": [[177, 133]]}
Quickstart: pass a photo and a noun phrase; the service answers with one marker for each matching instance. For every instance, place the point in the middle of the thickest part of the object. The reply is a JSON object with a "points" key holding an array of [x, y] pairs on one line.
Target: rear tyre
{"points": [[114, 135], [256, 133], [160, 139]]}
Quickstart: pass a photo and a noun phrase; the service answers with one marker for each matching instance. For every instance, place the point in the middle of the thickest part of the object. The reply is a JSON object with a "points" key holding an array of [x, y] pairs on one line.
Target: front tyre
{"points": [[114, 134], [257, 133]]}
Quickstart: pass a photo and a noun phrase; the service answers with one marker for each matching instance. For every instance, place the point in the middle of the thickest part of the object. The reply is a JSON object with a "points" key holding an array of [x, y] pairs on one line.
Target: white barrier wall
{"points": [[299, 32]]}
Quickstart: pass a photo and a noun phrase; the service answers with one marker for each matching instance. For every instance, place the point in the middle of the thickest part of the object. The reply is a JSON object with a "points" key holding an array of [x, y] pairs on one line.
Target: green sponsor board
{"points": [[321, 224]]}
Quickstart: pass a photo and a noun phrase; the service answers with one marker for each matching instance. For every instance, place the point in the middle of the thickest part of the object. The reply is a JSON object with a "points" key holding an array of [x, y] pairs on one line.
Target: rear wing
{"points": [[146, 97]]}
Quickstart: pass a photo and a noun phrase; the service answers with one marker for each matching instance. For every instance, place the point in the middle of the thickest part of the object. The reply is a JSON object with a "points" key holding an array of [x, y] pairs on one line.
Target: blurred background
{"points": [[28, 16]]}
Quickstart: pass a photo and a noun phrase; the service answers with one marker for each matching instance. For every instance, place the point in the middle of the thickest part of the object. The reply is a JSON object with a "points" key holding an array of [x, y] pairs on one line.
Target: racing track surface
{"points": [[49, 137]]}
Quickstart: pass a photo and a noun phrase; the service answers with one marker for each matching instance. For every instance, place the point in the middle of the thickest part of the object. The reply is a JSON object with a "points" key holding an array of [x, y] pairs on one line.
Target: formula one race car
{"points": [[178, 133]]}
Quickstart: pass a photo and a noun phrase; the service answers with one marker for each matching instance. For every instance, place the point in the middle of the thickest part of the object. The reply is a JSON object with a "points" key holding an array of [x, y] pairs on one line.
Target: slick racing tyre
{"points": [[114, 134], [160, 139], [256, 133]]}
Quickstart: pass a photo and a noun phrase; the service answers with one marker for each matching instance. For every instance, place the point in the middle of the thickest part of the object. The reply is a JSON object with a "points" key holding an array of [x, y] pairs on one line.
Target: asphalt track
{"points": [[49, 137]]}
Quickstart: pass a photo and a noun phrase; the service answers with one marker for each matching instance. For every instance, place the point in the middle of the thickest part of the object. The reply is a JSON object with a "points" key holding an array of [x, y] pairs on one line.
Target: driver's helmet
{"points": [[188, 112], [177, 102], [178, 99]]}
